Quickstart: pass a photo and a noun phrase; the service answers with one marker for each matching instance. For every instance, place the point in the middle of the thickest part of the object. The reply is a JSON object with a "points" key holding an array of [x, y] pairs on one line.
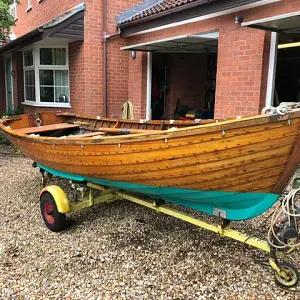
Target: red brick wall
{"points": [[86, 58], [92, 68], [240, 59], [2, 86], [77, 76], [33, 109], [117, 75], [126, 83], [118, 61], [137, 83], [40, 13], [243, 57]]}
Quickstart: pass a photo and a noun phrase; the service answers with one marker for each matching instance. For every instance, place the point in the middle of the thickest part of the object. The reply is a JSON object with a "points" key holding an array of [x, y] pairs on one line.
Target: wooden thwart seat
{"points": [[45, 128], [86, 135]]}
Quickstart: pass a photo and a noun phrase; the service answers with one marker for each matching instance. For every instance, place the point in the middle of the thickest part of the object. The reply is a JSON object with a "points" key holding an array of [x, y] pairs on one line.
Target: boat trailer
{"points": [[54, 204]]}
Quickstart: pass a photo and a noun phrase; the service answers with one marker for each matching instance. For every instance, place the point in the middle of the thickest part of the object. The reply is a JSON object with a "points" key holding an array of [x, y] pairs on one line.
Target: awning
{"points": [[207, 42], [281, 23], [69, 25]]}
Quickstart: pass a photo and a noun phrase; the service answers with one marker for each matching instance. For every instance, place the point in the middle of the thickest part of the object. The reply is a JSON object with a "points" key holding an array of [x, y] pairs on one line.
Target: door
{"points": [[9, 84]]}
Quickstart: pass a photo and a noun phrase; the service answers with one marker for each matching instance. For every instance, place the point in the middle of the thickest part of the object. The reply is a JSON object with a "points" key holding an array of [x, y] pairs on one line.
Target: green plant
{"points": [[3, 139], [12, 112], [6, 20]]}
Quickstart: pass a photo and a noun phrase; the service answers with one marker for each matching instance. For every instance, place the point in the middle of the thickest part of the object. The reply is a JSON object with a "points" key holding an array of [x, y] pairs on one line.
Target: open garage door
{"points": [[284, 63], [181, 77]]}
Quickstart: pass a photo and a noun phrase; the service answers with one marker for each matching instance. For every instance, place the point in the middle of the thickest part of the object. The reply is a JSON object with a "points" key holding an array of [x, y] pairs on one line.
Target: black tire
{"points": [[53, 219], [292, 273]]}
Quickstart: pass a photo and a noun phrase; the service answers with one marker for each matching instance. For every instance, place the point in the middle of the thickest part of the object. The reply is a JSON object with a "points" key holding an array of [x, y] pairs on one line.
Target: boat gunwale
{"points": [[154, 136]]}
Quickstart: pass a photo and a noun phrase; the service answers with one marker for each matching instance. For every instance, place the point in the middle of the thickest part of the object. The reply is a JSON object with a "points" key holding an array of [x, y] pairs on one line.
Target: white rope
{"points": [[287, 209], [283, 109]]}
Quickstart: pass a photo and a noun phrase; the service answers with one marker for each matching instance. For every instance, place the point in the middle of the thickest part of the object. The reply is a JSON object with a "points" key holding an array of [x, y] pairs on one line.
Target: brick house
{"points": [[219, 58]]}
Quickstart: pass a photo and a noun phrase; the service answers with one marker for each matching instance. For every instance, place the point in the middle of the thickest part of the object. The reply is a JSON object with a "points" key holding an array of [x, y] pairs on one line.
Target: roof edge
{"points": [[136, 9], [38, 33], [164, 13]]}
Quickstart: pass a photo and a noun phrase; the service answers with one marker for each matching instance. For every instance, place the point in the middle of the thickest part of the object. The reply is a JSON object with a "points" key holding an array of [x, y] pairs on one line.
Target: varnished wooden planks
{"points": [[171, 176], [83, 156], [218, 156]]}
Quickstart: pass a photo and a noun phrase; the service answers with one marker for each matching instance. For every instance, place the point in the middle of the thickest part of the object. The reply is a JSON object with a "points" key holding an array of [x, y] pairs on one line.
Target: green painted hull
{"points": [[230, 205]]}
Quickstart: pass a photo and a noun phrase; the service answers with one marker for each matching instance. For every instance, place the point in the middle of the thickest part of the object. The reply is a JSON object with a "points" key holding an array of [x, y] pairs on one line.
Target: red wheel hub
{"points": [[49, 212]]}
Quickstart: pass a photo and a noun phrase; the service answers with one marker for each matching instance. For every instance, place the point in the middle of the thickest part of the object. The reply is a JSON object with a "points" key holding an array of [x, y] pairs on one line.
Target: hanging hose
{"points": [[288, 209], [127, 109]]}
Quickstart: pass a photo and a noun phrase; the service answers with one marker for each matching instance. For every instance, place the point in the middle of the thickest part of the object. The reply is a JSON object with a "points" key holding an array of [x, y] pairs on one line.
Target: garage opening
{"points": [[284, 64], [287, 85], [183, 76]]}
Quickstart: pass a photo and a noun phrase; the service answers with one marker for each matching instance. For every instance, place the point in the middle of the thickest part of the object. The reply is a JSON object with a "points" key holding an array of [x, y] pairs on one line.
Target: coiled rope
{"points": [[283, 109], [287, 210]]}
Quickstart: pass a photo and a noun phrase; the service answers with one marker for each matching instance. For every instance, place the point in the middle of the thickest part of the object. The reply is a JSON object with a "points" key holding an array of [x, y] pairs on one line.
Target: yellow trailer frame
{"points": [[285, 274]]}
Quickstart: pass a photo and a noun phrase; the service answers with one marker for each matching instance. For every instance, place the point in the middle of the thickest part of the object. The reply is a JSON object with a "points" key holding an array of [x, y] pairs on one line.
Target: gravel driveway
{"points": [[120, 251]]}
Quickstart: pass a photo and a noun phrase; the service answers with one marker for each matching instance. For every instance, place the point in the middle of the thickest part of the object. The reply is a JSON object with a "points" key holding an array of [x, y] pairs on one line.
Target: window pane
{"points": [[53, 56], [62, 78], [46, 56], [46, 77], [28, 58], [29, 85], [47, 94], [62, 94], [29, 77], [59, 56], [30, 93]]}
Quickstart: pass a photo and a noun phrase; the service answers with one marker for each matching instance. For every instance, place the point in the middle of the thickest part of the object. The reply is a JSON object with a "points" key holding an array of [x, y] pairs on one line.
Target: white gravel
{"points": [[120, 251]]}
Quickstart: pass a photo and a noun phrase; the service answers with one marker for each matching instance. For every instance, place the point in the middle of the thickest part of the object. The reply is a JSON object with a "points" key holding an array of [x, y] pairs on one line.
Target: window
{"points": [[46, 76], [13, 8], [29, 77]]}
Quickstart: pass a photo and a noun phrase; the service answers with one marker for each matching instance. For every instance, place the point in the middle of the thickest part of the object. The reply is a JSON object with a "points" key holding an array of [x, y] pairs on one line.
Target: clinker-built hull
{"points": [[234, 168]]}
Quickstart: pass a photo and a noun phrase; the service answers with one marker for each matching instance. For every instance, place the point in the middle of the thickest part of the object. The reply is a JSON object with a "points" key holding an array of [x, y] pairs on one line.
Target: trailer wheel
{"points": [[289, 277], [53, 219]]}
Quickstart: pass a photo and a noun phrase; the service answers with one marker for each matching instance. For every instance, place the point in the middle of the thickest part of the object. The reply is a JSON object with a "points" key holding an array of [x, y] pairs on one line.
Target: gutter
{"points": [[105, 39], [36, 33]]}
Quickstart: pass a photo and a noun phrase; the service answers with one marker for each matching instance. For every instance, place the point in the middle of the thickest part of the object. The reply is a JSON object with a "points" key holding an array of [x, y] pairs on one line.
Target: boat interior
{"points": [[67, 125]]}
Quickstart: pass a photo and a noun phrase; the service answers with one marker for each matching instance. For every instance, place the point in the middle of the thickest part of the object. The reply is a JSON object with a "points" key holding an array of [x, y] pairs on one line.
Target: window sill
{"points": [[29, 9], [59, 105]]}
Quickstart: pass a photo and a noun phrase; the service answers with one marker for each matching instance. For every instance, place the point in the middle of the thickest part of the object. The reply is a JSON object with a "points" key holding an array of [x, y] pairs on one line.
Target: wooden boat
{"points": [[235, 169]]}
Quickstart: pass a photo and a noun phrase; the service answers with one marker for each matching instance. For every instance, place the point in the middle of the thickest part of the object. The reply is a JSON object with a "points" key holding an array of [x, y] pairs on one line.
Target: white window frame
{"points": [[13, 7], [29, 5], [37, 67], [28, 68]]}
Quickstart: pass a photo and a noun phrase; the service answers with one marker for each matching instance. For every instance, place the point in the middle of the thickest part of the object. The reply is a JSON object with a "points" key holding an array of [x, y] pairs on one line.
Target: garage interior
{"points": [[286, 65], [183, 73], [287, 86]]}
